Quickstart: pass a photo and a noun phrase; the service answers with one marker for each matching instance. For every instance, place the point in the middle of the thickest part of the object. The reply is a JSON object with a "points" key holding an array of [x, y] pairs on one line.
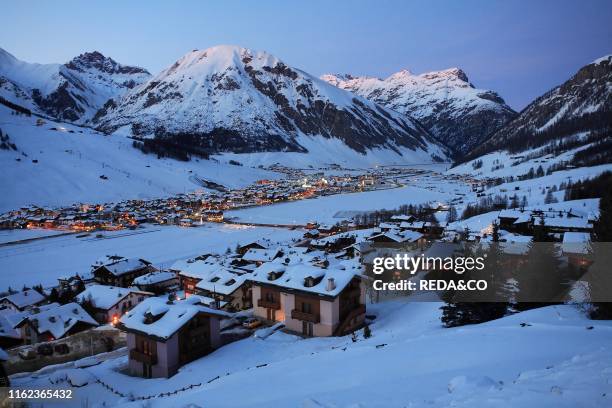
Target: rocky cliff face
{"points": [[445, 102], [74, 91]]}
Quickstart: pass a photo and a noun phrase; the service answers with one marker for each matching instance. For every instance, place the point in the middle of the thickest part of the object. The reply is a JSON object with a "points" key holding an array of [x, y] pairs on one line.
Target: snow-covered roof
{"points": [[566, 222], [124, 265], [154, 277], [359, 235], [59, 320], [576, 242], [105, 297], [260, 255], [166, 318], [294, 276], [400, 236], [25, 298], [222, 281], [200, 269]]}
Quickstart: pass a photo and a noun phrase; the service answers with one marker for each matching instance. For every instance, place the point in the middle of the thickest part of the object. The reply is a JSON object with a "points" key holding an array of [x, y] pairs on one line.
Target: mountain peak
{"points": [[404, 73], [96, 60], [449, 73]]}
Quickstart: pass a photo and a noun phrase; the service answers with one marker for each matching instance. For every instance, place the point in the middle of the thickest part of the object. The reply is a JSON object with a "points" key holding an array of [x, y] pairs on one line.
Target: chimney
{"points": [[331, 285]]}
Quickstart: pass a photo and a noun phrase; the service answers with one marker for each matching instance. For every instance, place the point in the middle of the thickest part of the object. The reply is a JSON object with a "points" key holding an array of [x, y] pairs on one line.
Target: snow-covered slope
{"points": [[69, 165], [450, 107], [581, 106], [231, 99], [547, 357], [74, 91]]}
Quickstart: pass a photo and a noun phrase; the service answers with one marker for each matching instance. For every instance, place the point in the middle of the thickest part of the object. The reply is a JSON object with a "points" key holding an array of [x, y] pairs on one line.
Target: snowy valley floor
{"points": [[560, 360], [30, 263]]}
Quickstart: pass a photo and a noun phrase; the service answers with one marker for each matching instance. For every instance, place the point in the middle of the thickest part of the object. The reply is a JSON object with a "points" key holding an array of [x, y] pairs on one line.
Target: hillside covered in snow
{"points": [[574, 115], [56, 163], [445, 102]]}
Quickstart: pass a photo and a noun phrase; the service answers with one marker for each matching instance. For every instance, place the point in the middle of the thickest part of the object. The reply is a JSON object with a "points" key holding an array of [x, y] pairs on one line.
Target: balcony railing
{"points": [[142, 357], [309, 317], [270, 304]]}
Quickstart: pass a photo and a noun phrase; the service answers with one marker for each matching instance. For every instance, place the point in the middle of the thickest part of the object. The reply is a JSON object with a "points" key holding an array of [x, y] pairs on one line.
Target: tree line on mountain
{"points": [[498, 202]]}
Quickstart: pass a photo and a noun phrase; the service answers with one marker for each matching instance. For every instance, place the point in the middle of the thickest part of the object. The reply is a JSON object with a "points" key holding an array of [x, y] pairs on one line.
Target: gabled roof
{"points": [[59, 320], [166, 317], [25, 298], [123, 266], [260, 255], [292, 277], [223, 281], [105, 297], [154, 277]]}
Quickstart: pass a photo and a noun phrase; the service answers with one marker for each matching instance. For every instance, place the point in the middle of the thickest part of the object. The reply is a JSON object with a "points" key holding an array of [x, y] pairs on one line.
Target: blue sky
{"points": [[517, 48]]}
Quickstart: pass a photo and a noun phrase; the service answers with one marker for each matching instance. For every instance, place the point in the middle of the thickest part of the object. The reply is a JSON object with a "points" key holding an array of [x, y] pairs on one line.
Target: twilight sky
{"points": [[517, 48]]}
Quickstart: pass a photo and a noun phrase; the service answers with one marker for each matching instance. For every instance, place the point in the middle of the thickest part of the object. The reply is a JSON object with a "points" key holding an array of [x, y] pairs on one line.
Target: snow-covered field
{"points": [[560, 359], [43, 261], [331, 209], [23, 234]]}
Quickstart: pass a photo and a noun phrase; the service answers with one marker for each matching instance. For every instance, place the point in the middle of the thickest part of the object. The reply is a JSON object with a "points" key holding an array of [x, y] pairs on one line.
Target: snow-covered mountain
{"points": [[231, 99], [74, 91], [577, 112], [445, 102]]}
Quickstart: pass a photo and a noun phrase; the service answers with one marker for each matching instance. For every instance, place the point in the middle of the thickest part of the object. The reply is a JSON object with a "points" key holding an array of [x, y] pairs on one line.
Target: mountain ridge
{"points": [[230, 98], [445, 102]]}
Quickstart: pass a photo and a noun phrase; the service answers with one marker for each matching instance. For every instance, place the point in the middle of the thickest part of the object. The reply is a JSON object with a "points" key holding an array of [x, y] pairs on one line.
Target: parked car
{"points": [[251, 323]]}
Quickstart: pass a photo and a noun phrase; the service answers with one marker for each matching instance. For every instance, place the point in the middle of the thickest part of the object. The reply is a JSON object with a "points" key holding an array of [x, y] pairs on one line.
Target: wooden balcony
{"points": [[309, 317], [268, 304], [142, 357]]}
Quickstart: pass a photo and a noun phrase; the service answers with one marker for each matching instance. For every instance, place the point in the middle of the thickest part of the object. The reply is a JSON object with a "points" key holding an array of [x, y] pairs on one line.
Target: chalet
{"points": [[55, 323], [212, 279], [109, 303], [157, 281], [258, 256], [119, 271], [518, 221], [397, 237], [192, 272], [21, 300], [228, 286], [251, 245], [310, 300], [164, 335]]}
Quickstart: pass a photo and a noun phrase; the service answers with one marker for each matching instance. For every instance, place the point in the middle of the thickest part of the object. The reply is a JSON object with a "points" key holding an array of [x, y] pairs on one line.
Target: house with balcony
{"points": [[120, 271], [310, 300], [163, 335]]}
